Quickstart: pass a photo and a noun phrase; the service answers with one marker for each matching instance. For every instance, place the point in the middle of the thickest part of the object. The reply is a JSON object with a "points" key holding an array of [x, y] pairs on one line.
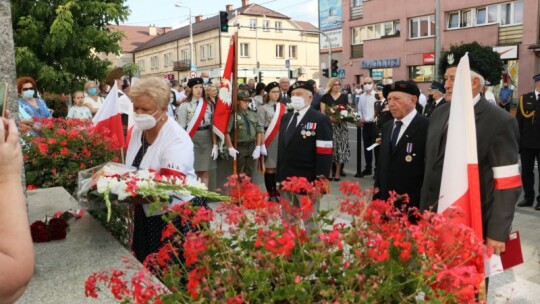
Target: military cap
{"points": [[380, 86], [195, 81], [536, 77], [243, 95], [482, 59], [408, 87], [301, 85], [113, 75], [435, 85], [243, 86], [270, 86]]}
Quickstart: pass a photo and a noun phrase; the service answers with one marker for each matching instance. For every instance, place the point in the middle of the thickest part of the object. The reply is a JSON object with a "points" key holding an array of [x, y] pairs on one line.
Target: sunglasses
{"points": [[26, 89]]}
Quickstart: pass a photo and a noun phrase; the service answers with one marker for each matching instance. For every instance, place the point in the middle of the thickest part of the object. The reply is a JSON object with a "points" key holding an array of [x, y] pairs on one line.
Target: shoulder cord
{"points": [[526, 115]]}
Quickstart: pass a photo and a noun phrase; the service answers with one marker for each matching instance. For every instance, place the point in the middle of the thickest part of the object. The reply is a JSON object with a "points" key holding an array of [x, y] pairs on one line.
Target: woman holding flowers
{"points": [[157, 142], [330, 102]]}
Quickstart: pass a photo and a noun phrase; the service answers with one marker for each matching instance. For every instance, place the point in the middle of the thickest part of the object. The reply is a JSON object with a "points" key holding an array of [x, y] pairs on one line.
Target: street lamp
{"points": [[191, 52]]}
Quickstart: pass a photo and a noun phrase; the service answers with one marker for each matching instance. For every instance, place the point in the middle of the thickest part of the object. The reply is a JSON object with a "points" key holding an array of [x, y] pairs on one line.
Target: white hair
{"points": [[480, 78]]}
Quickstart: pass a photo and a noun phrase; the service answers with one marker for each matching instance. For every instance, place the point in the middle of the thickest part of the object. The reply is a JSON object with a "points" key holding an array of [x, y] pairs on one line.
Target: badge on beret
{"points": [[450, 58], [238, 117]]}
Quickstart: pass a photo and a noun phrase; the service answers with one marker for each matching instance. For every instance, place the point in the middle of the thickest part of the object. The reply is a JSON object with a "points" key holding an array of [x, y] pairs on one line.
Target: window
{"points": [[453, 20], [184, 54], [421, 73], [203, 52], [252, 24], [518, 12], [210, 51], [277, 26], [293, 51], [492, 13], [356, 36], [356, 3], [167, 60], [421, 27], [506, 14], [142, 65], [279, 50], [244, 49], [154, 62], [266, 25], [466, 18], [481, 16], [509, 13]]}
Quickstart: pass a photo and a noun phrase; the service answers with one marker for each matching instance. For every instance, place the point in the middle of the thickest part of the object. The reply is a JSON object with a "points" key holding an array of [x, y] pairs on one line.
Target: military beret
{"points": [[113, 75], [259, 87], [435, 85], [243, 86], [195, 81], [270, 86], [482, 59], [536, 77], [408, 87], [301, 85], [243, 95]]}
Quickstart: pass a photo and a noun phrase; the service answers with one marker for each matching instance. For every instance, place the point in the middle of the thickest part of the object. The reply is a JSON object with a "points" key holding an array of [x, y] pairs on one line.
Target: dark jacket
{"points": [[529, 127]]}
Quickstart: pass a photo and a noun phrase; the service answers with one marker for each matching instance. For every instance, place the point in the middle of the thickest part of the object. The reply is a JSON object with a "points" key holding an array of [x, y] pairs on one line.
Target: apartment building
{"points": [[271, 45], [396, 40]]}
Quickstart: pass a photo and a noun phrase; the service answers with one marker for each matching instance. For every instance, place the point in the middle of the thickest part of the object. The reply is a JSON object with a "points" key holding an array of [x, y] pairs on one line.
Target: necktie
{"points": [[291, 127], [395, 134], [246, 122], [283, 95]]}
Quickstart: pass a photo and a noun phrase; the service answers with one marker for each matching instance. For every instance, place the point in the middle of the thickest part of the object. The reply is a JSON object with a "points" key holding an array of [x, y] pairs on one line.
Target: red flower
{"points": [[39, 232], [43, 148], [30, 187], [203, 215], [58, 228], [193, 246], [51, 141], [64, 151], [194, 281]]}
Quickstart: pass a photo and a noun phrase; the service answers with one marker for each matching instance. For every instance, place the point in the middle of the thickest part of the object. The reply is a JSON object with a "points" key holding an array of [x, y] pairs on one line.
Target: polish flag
{"points": [[108, 119], [460, 183], [224, 100]]}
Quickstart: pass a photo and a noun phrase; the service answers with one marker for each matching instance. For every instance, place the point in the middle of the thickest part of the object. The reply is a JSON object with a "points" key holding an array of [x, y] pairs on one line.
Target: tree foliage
{"points": [[57, 41]]}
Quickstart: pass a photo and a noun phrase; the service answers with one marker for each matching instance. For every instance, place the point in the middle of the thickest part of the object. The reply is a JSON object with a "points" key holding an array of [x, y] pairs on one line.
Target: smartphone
{"points": [[3, 97]]}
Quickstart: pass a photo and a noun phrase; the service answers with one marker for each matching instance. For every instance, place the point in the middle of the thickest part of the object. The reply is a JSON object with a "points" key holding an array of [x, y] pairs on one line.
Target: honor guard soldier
{"points": [[249, 135], [436, 99], [529, 130], [382, 115]]}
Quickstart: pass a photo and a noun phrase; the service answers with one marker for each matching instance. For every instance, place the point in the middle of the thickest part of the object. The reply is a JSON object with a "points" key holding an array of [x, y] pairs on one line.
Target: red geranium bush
{"points": [[256, 251]]}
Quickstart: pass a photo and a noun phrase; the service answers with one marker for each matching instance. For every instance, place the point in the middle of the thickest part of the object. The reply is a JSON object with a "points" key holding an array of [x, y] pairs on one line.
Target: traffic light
{"points": [[325, 73], [260, 76], [334, 68], [224, 21]]}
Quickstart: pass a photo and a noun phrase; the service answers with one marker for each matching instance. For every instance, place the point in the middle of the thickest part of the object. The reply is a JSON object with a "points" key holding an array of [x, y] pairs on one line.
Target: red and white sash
{"points": [[273, 128], [197, 118]]}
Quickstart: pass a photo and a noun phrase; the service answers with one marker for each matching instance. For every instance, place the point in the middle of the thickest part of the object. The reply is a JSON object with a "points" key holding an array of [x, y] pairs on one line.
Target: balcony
{"points": [[510, 34], [182, 65]]}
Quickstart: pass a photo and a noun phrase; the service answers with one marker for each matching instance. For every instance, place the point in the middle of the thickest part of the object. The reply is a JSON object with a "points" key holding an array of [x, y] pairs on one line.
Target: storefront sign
{"points": [[507, 52], [335, 37], [381, 63], [429, 58]]}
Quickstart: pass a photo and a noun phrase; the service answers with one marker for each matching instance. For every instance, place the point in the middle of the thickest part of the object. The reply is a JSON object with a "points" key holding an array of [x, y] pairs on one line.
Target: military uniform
{"points": [[529, 130], [247, 127]]}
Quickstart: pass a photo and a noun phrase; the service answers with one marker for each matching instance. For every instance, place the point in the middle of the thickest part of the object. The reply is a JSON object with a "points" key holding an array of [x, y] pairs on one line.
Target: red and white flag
{"points": [[460, 183], [108, 120], [224, 100]]}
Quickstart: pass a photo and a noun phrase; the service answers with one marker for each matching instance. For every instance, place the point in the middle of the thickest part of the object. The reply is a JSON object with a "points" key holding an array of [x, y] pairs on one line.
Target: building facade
{"points": [[271, 45], [396, 41]]}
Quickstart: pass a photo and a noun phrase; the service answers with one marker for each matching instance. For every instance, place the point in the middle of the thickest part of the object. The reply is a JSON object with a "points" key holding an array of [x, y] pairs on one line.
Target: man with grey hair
{"points": [[497, 139], [284, 83]]}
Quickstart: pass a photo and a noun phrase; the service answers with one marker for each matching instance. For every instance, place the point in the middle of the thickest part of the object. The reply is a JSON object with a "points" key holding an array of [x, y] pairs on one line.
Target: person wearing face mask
{"points": [[91, 98], [159, 143], [206, 78], [436, 99], [29, 102], [505, 97], [249, 136], [195, 115], [366, 127], [342, 151], [382, 116]]}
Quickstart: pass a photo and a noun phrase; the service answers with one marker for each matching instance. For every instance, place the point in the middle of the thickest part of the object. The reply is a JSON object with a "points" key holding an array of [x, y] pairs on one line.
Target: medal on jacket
{"points": [[409, 149]]}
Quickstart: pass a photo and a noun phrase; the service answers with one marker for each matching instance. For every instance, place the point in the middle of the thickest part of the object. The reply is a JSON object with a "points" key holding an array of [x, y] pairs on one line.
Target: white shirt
{"points": [[476, 99], [301, 115], [366, 106], [490, 97], [422, 100], [406, 122], [437, 101]]}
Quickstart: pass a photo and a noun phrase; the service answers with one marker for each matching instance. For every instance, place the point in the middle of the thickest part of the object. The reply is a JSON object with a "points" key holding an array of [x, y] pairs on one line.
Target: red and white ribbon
{"points": [[197, 118], [273, 128]]}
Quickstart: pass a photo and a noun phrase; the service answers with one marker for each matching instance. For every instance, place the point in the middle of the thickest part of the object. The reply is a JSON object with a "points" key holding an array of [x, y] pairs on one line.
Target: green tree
{"points": [[57, 41]]}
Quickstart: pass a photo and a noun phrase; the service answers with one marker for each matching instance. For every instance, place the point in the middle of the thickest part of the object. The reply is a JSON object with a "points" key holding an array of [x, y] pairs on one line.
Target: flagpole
{"points": [[234, 91]]}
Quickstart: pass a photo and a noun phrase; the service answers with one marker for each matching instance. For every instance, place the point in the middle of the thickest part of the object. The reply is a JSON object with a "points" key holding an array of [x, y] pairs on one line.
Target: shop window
{"points": [[422, 73]]}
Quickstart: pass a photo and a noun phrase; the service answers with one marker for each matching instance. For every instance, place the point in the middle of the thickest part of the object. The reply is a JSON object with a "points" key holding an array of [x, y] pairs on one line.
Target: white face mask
{"points": [[145, 121], [298, 103], [368, 86]]}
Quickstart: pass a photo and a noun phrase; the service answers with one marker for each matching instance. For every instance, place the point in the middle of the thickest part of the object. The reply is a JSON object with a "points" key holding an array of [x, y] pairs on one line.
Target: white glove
{"points": [[263, 150], [233, 152], [215, 152], [257, 152]]}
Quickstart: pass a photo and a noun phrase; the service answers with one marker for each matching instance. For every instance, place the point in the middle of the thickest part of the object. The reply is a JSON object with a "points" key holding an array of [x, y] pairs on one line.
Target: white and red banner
{"points": [[224, 100], [197, 118], [273, 128], [108, 119]]}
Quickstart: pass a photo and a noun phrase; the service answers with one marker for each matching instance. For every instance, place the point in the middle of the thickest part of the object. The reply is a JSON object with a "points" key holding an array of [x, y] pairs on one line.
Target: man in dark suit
{"points": [[402, 150], [497, 138], [316, 103], [436, 99], [305, 138], [284, 84], [529, 130]]}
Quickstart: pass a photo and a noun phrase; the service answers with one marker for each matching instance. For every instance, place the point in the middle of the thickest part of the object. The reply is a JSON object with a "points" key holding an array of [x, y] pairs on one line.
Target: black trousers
{"points": [[358, 150], [528, 156], [368, 135]]}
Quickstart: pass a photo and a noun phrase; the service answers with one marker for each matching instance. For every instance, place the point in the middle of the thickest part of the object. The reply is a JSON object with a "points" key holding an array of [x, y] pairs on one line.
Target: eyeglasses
{"points": [[26, 89]]}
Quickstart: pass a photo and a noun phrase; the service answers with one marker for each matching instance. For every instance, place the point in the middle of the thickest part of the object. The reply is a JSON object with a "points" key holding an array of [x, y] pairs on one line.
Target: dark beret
{"points": [[482, 59], [301, 85], [113, 75], [259, 87], [408, 87], [195, 81], [270, 86], [536, 77], [435, 85], [243, 95], [243, 86]]}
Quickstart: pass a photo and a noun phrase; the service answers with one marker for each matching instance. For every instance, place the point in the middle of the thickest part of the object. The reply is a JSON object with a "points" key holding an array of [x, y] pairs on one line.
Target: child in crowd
{"points": [[78, 110]]}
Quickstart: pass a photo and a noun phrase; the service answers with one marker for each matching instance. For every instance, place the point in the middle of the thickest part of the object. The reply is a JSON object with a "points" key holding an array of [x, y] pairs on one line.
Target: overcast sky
{"points": [[164, 12]]}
